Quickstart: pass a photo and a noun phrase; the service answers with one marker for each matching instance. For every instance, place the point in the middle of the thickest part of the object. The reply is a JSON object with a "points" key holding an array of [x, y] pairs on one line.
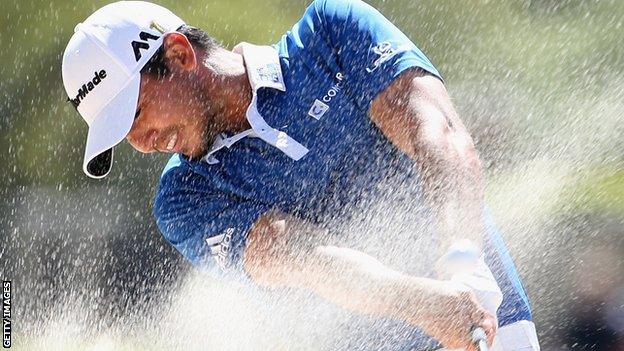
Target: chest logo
{"points": [[321, 106], [318, 109]]}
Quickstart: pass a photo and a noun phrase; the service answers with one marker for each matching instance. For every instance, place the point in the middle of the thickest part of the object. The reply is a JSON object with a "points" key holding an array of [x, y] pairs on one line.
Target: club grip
{"points": [[479, 339]]}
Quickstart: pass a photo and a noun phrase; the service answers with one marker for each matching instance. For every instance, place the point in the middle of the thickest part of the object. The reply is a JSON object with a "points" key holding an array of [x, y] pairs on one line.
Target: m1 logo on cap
{"points": [[145, 37], [87, 87], [138, 45]]}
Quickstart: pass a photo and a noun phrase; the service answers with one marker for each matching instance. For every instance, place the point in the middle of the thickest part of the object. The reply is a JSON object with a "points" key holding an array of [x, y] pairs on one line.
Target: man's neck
{"points": [[228, 90]]}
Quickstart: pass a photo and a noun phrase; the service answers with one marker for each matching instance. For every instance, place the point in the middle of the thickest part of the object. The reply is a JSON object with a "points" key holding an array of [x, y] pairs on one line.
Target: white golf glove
{"points": [[464, 265]]}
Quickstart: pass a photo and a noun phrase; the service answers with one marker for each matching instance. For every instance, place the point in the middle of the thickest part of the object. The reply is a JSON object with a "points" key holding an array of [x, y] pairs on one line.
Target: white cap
{"points": [[102, 72]]}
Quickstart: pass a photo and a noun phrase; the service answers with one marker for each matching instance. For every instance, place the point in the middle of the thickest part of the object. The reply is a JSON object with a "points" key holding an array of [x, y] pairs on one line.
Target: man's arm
{"points": [[411, 108], [283, 251], [416, 114]]}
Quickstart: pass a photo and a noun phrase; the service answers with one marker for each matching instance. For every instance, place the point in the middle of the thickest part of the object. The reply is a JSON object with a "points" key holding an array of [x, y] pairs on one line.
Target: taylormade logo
{"points": [[87, 87]]}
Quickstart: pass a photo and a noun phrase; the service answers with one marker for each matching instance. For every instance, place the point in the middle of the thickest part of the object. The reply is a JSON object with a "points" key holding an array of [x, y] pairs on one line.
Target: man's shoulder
{"points": [[182, 174], [333, 6], [180, 171], [340, 10], [175, 164], [178, 185]]}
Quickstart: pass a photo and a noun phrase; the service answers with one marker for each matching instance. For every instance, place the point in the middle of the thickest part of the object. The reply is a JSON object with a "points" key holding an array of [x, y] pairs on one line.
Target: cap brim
{"points": [[109, 128]]}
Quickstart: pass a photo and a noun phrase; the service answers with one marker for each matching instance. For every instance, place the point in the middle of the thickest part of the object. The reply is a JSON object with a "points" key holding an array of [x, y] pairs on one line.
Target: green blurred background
{"points": [[539, 83]]}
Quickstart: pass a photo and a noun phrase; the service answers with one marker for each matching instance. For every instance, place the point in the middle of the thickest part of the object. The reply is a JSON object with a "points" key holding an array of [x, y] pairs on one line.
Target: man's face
{"points": [[171, 116]]}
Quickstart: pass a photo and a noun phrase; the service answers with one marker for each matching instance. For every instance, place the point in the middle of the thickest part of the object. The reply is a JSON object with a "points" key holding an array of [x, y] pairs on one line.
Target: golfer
{"points": [[274, 148]]}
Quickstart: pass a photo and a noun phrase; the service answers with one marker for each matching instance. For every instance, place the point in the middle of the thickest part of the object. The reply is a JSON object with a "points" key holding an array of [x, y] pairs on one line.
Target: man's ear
{"points": [[179, 53]]}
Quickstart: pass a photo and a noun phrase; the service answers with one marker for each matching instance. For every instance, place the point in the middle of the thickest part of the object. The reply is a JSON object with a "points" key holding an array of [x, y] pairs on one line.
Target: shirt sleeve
{"points": [[370, 50], [207, 226]]}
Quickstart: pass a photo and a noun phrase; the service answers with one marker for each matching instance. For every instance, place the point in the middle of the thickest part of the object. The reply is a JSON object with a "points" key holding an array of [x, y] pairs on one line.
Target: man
{"points": [[277, 147]]}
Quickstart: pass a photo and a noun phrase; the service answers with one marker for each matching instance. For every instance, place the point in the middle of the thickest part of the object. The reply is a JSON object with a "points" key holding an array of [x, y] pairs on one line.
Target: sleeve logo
{"points": [[385, 51]]}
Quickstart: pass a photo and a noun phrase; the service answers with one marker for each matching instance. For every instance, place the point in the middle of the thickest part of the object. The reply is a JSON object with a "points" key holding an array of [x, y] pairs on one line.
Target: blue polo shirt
{"points": [[332, 64]]}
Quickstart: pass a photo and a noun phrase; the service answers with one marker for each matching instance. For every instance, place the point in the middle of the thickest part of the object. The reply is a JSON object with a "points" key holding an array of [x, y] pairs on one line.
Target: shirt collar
{"points": [[263, 71], [263, 66], [222, 140]]}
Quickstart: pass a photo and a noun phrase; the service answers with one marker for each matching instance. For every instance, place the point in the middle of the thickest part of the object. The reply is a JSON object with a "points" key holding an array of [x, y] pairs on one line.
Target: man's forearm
{"points": [[451, 177], [275, 256], [285, 251], [449, 165], [359, 282]]}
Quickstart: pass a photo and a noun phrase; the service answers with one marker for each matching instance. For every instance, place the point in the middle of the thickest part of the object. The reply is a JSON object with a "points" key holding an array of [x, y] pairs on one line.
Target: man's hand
{"points": [[453, 314]]}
